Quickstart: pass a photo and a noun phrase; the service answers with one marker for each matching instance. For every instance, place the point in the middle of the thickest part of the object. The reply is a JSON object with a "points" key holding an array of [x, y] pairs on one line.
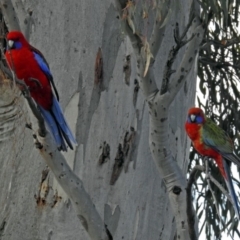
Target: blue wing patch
{"points": [[42, 64], [45, 68]]}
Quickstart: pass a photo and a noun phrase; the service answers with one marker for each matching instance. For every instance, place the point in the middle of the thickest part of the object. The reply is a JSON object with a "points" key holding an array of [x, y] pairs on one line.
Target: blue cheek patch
{"points": [[17, 45], [199, 119]]}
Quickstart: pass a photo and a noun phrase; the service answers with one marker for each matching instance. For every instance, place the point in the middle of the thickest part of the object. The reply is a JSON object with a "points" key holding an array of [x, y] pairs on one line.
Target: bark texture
{"points": [[106, 110]]}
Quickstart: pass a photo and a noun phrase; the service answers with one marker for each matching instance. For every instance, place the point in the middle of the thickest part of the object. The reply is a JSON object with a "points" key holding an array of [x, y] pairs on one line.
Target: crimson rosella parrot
{"points": [[212, 141], [29, 65]]}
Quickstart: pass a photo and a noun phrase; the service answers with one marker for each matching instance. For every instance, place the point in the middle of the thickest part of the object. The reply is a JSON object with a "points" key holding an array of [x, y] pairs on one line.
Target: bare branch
{"points": [[215, 64], [190, 211], [172, 175], [210, 188], [187, 62], [191, 17], [172, 55], [224, 43], [213, 180], [192, 180], [73, 186]]}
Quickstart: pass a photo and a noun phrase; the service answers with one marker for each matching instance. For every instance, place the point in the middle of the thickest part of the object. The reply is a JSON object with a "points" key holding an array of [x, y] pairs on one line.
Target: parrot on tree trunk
{"points": [[211, 141], [29, 65]]}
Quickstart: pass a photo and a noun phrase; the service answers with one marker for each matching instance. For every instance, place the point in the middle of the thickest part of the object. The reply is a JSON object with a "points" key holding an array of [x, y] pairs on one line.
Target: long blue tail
{"points": [[231, 190], [58, 126]]}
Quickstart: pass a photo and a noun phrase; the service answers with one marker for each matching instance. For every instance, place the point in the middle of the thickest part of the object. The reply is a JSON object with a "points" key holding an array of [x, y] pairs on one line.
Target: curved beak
{"points": [[192, 117], [10, 43]]}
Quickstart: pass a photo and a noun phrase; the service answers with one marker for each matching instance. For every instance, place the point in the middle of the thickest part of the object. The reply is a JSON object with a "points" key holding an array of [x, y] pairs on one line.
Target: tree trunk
{"points": [[110, 119]]}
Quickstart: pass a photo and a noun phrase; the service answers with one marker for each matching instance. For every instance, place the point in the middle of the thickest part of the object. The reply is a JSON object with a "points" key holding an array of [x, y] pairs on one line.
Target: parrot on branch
{"points": [[29, 65], [211, 141]]}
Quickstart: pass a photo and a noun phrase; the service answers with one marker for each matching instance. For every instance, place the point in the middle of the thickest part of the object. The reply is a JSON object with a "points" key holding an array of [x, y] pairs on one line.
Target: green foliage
{"points": [[208, 198], [218, 72]]}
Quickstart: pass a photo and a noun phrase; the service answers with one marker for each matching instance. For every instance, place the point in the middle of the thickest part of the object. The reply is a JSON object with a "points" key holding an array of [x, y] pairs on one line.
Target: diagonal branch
{"points": [[187, 62], [172, 55], [211, 190], [71, 184], [158, 103], [74, 188], [212, 179], [191, 181]]}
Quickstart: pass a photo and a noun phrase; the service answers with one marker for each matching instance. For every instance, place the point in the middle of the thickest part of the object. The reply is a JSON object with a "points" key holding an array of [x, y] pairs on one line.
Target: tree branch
{"points": [[70, 183], [190, 211], [218, 64], [187, 62], [159, 141], [210, 188], [168, 71], [213, 180], [172, 175], [73, 186]]}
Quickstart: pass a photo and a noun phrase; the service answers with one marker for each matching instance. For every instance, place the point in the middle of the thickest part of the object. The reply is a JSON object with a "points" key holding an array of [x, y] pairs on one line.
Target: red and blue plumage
{"points": [[29, 65], [212, 141]]}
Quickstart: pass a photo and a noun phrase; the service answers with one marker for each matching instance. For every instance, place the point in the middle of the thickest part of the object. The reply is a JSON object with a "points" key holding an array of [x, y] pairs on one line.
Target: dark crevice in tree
{"points": [[118, 165], [105, 153], [127, 69], [124, 154], [135, 92], [99, 68], [108, 233], [2, 228]]}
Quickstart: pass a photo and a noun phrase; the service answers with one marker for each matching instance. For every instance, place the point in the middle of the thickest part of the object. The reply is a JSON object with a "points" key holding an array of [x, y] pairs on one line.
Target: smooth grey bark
{"points": [[136, 206], [159, 100]]}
